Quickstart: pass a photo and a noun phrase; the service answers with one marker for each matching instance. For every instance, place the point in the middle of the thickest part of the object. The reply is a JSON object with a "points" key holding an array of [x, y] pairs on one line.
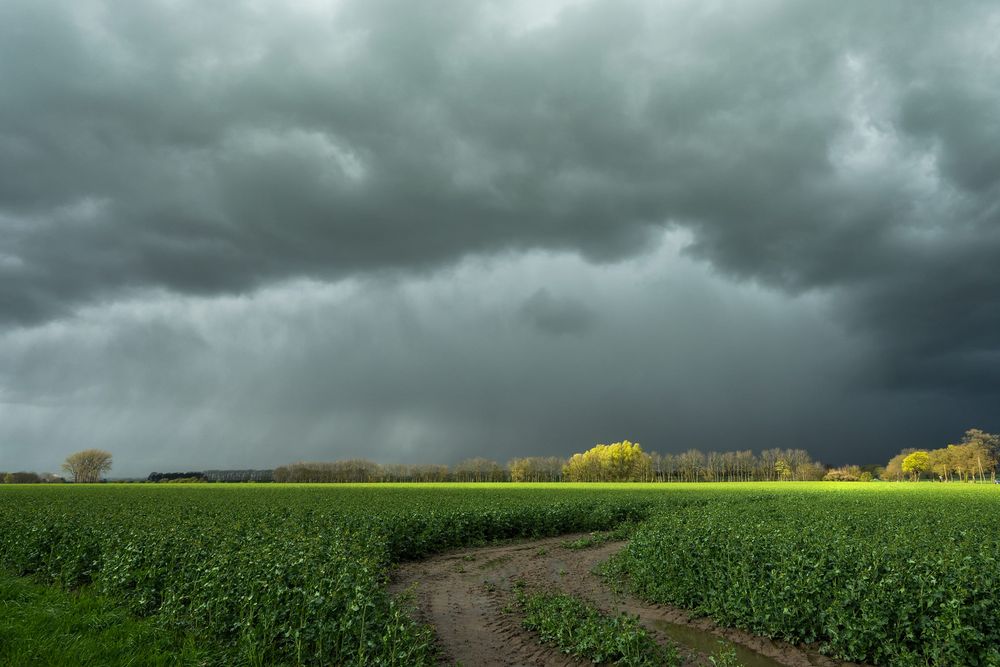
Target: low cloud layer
{"points": [[450, 366], [389, 171]]}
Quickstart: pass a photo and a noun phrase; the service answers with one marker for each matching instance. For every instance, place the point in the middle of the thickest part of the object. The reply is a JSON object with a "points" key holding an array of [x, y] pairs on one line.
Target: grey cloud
{"points": [[436, 370], [555, 315], [239, 145]]}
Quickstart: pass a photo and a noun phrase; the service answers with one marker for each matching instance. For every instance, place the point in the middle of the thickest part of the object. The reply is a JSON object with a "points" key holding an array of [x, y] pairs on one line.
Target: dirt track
{"points": [[467, 596]]}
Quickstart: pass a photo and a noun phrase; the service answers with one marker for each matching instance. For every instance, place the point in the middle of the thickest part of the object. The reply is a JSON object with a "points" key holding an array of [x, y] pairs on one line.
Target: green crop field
{"points": [[901, 575], [296, 574]]}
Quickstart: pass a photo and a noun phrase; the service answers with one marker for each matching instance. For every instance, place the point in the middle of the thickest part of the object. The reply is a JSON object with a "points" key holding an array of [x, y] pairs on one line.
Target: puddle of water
{"points": [[708, 643]]}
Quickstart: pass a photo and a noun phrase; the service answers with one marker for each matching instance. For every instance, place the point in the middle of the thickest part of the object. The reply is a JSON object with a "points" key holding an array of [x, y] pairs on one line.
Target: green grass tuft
{"points": [[579, 629], [41, 625], [595, 539]]}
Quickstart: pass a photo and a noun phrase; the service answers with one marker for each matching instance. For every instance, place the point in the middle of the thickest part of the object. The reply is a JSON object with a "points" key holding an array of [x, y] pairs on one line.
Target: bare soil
{"points": [[467, 596]]}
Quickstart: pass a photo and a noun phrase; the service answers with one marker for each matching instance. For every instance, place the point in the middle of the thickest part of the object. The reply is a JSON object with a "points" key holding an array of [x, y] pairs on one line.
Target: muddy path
{"points": [[467, 596]]}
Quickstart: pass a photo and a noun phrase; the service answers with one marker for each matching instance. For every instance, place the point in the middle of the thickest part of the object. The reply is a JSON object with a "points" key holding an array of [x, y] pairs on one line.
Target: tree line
{"points": [[618, 462], [25, 477], [974, 457]]}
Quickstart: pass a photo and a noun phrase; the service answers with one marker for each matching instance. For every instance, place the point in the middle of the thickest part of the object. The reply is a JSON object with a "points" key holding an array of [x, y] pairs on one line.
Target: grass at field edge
{"points": [[42, 625]]}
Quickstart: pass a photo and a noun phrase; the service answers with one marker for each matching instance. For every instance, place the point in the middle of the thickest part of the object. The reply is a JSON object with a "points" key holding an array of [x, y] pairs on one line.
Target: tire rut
{"points": [[467, 596]]}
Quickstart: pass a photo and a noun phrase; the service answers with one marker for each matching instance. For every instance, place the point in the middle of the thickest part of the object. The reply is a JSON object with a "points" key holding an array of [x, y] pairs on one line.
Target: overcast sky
{"points": [[239, 234]]}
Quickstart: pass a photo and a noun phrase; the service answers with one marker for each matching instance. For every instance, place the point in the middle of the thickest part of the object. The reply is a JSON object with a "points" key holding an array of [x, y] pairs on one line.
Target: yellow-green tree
{"points": [[915, 463], [894, 468], [618, 462]]}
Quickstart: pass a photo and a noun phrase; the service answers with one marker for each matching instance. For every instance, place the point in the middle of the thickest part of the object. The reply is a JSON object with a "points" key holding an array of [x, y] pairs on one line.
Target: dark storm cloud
{"points": [[446, 366], [210, 150], [443, 368]]}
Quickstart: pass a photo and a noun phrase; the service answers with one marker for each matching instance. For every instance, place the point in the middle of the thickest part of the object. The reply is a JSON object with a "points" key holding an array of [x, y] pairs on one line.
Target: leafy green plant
{"points": [[724, 656], [597, 538], [579, 629], [903, 578]]}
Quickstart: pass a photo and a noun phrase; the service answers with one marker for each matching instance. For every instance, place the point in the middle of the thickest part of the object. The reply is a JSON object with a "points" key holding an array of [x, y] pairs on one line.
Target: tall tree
{"points": [[916, 463], [88, 465], [894, 468], [536, 469], [939, 462], [618, 462], [985, 447], [690, 464]]}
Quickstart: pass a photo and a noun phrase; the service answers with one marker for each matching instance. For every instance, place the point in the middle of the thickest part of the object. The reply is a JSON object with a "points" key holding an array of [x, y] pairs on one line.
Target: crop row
{"points": [[885, 578]]}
